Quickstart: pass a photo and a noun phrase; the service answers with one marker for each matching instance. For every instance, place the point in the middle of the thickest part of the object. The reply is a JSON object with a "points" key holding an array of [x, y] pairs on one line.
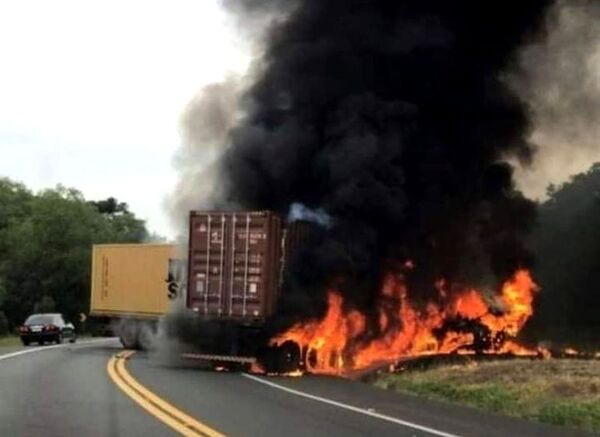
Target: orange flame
{"points": [[342, 341]]}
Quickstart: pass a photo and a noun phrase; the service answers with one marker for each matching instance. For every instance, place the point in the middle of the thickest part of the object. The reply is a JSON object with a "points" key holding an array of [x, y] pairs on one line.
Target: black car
{"points": [[46, 328]]}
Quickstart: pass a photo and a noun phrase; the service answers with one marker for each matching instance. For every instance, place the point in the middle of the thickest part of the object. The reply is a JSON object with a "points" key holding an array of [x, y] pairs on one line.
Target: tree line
{"points": [[46, 240], [566, 242], [45, 248]]}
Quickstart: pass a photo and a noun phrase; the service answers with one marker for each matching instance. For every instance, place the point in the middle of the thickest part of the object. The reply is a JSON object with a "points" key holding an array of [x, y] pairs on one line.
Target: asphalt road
{"points": [[66, 390]]}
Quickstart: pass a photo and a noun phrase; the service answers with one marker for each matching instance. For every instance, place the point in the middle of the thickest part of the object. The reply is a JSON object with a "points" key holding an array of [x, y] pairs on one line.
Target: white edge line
{"points": [[47, 348], [351, 408]]}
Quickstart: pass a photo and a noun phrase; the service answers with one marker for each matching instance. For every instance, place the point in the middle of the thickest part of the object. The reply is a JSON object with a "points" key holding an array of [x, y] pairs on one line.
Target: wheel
{"points": [[288, 357], [128, 334], [59, 338], [73, 339], [25, 342], [146, 335], [41, 342]]}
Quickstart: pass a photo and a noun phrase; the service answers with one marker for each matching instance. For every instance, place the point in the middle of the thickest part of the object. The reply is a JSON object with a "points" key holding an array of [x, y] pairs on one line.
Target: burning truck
{"points": [[397, 120], [238, 269], [229, 281]]}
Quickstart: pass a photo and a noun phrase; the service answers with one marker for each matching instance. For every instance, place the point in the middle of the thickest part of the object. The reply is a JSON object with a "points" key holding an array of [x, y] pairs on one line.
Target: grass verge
{"points": [[560, 392], [10, 340]]}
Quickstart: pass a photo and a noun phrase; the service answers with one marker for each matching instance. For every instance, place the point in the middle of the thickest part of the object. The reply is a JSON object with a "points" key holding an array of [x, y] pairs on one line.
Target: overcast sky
{"points": [[91, 92]]}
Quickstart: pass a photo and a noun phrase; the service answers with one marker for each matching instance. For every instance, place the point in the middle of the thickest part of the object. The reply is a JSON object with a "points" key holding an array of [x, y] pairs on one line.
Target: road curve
{"points": [[67, 391]]}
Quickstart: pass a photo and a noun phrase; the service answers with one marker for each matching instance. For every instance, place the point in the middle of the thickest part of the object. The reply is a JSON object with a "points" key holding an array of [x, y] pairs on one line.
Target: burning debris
{"points": [[464, 322]]}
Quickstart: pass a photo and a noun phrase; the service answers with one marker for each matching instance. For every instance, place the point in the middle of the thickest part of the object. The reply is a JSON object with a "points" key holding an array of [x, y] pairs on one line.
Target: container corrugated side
{"points": [[129, 279], [233, 263]]}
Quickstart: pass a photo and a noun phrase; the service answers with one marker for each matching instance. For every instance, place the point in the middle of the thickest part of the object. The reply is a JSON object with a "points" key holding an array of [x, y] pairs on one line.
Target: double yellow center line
{"points": [[156, 406]]}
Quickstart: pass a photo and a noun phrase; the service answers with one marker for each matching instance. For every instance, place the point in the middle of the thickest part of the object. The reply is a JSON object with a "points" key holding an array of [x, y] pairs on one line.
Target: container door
{"points": [[255, 262], [208, 239], [248, 233], [233, 263]]}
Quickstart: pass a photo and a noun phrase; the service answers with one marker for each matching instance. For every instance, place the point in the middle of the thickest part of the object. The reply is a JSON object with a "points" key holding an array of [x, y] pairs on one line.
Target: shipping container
{"points": [[230, 278], [234, 264], [128, 280]]}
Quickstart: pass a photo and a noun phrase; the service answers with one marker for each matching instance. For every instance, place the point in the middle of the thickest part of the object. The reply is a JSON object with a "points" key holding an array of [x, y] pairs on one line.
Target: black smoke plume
{"points": [[394, 118]]}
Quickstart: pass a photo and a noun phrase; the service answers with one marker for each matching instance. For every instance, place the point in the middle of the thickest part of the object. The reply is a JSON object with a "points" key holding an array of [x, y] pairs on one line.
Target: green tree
{"points": [[15, 204], [567, 245], [45, 305], [15, 201], [124, 223], [45, 249], [110, 206]]}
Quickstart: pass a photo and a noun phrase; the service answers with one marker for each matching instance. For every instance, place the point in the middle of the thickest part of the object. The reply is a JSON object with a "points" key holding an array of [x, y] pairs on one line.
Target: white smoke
{"points": [[560, 79], [298, 211], [205, 126], [210, 115]]}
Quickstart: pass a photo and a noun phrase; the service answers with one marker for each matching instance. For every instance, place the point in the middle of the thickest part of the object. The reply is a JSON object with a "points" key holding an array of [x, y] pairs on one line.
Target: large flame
{"points": [[342, 341]]}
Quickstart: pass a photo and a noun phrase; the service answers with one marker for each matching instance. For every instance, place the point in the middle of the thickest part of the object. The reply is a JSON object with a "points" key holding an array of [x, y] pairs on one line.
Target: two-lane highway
{"points": [[64, 391], [96, 389]]}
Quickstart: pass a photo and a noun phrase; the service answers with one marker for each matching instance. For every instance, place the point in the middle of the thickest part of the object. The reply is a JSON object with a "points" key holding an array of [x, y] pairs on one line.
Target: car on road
{"points": [[46, 328]]}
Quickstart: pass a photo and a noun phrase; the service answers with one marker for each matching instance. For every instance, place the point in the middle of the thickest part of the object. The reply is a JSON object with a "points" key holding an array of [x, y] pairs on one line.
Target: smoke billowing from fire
{"points": [[395, 120], [209, 117], [560, 78], [205, 125], [301, 212]]}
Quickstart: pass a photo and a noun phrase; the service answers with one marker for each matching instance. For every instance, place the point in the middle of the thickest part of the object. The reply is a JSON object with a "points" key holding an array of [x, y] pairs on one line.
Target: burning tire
{"points": [[282, 358], [288, 357]]}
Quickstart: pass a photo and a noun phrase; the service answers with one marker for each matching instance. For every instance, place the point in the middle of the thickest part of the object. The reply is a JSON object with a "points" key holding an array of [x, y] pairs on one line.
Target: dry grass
{"points": [[10, 340], [563, 392]]}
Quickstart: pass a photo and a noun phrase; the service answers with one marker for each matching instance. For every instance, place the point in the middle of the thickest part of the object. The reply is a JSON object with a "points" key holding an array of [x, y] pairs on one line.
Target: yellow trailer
{"points": [[129, 287]]}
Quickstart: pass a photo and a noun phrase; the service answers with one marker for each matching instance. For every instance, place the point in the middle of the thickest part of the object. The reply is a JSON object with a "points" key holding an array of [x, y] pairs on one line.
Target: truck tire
{"points": [[284, 358], [128, 333], [288, 357], [146, 335]]}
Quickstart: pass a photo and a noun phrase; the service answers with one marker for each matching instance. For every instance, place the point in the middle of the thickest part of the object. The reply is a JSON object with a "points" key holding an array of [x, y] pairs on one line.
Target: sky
{"points": [[91, 93]]}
